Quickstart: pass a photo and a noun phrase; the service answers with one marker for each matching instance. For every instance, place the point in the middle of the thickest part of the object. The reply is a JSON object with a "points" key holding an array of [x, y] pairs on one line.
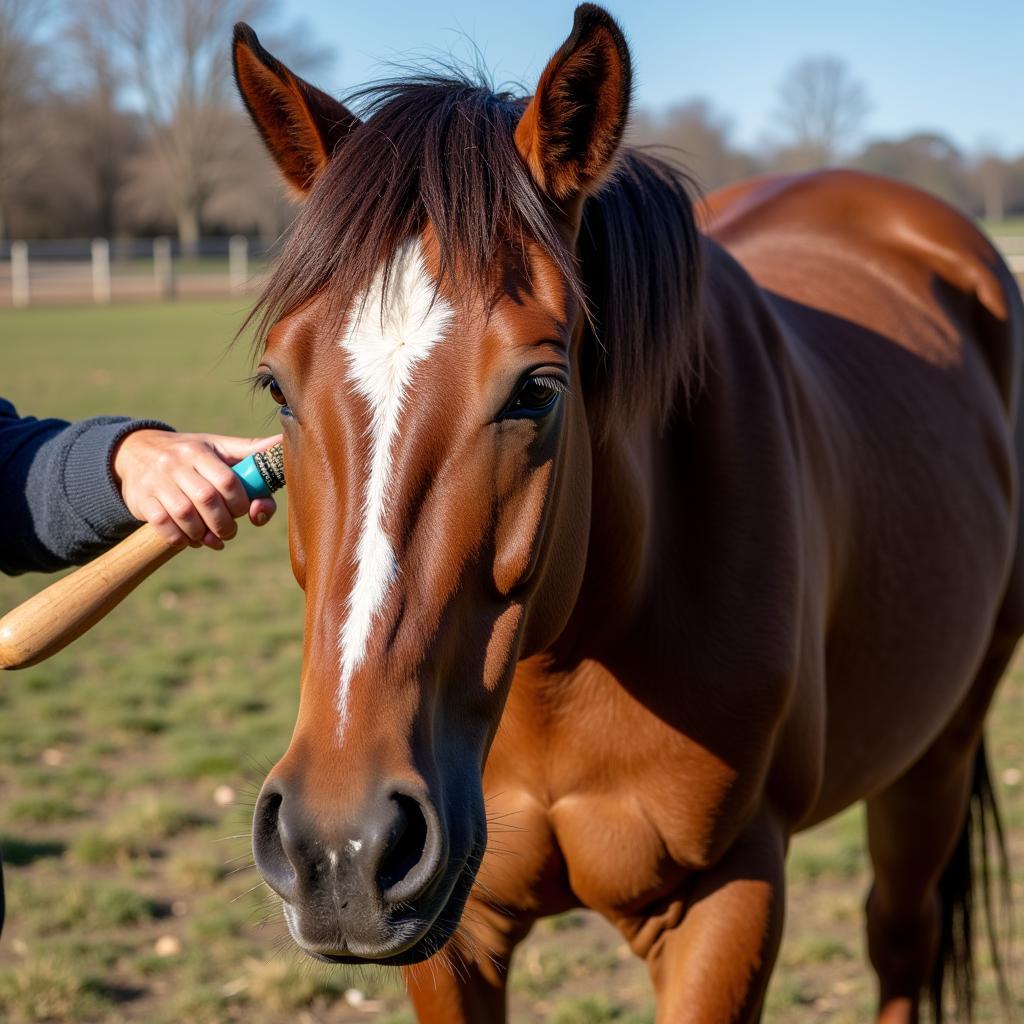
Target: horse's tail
{"points": [[983, 829]]}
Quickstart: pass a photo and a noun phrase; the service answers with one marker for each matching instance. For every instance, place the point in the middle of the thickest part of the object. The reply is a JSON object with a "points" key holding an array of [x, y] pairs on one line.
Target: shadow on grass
{"points": [[20, 852], [116, 993]]}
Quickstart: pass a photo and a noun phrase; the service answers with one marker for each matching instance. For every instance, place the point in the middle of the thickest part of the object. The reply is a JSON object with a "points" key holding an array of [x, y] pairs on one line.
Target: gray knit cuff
{"points": [[88, 477]]}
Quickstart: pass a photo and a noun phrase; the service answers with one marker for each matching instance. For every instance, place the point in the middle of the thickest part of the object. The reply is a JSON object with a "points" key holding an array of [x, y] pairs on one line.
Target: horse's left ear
{"points": [[571, 129], [300, 125]]}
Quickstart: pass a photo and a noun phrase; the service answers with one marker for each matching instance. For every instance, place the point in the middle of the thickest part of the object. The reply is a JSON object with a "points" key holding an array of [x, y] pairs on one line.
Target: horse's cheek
{"points": [[297, 550], [567, 532]]}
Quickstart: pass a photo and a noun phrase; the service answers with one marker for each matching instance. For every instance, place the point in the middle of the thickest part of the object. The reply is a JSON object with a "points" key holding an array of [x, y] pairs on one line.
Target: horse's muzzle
{"points": [[367, 889]]}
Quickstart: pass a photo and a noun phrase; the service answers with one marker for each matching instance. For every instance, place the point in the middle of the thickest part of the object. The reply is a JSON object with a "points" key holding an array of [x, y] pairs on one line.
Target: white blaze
{"points": [[384, 343]]}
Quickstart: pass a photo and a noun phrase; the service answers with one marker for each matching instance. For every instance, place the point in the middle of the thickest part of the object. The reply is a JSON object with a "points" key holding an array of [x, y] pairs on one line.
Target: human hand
{"points": [[183, 485]]}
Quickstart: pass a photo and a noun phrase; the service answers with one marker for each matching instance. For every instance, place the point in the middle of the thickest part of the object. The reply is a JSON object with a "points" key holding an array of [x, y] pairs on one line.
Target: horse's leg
{"points": [[465, 983], [913, 829], [713, 966]]}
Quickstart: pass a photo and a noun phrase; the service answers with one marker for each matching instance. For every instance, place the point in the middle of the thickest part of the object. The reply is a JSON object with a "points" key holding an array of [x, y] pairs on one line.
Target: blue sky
{"points": [[952, 65]]}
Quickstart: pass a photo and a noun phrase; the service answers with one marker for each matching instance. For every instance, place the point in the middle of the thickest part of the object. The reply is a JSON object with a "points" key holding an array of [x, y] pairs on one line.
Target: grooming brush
{"points": [[262, 473]]}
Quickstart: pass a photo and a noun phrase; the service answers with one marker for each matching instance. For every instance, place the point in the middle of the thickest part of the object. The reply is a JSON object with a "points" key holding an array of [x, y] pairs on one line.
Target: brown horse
{"points": [[660, 545]]}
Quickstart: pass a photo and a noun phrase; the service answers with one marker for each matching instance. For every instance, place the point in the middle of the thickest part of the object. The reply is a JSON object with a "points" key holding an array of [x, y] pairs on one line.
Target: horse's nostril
{"points": [[405, 845], [268, 846]]}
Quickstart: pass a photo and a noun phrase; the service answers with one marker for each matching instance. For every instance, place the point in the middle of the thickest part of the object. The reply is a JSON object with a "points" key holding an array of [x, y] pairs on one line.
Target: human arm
{"points": [[71, 490]]}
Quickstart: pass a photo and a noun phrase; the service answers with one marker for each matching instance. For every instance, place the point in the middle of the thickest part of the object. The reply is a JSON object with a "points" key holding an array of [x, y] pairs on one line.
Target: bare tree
{"points": [[178, 53], [254, 201], [701, 138], [924, 159], [821, 108], [178, 59], [22, 81], [102, 134]]}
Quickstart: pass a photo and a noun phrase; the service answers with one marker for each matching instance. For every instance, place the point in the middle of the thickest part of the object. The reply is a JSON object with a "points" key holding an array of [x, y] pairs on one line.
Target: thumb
{"points": [[234, 449]]}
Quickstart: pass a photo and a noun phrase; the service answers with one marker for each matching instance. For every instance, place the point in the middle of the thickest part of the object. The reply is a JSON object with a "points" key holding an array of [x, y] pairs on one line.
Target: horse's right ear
{"points": [[570, 130], [300, 125]]}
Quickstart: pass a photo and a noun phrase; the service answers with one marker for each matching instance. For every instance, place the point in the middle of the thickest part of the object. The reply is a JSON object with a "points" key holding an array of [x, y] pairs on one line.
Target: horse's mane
{"points": [[441, 148]]}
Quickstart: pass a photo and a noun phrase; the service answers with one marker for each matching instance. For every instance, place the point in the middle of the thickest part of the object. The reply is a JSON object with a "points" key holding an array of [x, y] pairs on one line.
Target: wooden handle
{"points": [[48, 622]]}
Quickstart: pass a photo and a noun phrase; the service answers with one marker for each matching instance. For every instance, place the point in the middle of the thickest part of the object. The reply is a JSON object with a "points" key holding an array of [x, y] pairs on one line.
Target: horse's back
{"points": [[905, 332], [858, 246]]}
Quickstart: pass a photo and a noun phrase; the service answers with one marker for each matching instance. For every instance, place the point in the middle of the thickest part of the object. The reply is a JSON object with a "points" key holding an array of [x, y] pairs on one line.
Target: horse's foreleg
{"points": [[713, 967], [465, 983]]}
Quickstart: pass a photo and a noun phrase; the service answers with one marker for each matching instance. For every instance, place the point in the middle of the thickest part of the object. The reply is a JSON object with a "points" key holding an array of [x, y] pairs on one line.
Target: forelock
{"points": [[437, 151]]}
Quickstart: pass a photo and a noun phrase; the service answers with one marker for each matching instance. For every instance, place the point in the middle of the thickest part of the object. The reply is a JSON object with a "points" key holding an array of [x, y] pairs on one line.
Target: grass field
{"points": [[129, 763], [1010, 226]]}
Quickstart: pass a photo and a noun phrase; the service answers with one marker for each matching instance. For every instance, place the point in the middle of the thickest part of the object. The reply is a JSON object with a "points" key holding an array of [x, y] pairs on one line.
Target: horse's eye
{"points": [[536, 396], [275, 391]]}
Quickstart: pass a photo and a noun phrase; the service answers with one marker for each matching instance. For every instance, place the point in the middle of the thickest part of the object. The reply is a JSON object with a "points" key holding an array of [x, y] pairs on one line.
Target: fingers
{"points": [[199, 507], [185, 487], [234, 449], [153, 511], [261, 510], [228, 485]]}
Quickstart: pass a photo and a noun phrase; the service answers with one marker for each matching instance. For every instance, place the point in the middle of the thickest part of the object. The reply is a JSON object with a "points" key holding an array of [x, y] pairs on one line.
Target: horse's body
{"points": [[675, 642], [808, 616]]}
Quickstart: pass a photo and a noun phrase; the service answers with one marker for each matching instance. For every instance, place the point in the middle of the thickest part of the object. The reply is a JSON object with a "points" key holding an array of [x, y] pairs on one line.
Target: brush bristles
{"points": [[270, 463]]}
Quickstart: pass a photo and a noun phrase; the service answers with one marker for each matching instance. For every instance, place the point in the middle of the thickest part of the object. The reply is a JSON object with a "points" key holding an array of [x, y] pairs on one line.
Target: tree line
{"points": [[118, 118], [819, 113]]}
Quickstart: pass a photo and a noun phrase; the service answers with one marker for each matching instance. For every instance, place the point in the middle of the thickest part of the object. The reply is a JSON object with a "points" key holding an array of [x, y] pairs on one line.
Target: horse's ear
{"points": [[300, 124], [571, 129]]}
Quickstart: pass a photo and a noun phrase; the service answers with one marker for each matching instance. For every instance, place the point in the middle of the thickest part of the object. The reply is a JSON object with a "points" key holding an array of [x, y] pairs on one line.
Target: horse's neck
{"points": [[649, 482]]}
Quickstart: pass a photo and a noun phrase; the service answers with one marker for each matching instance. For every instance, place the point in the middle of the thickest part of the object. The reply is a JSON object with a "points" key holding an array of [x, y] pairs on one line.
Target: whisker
{"points": [[238, 870]]}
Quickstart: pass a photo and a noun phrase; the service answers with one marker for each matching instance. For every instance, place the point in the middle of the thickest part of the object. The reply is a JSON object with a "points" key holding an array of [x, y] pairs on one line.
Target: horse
{"points": [[637, 535]]}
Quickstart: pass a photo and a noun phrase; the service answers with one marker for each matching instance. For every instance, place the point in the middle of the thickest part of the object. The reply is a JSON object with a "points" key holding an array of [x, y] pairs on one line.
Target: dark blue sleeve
{"points": [[61, 504]]}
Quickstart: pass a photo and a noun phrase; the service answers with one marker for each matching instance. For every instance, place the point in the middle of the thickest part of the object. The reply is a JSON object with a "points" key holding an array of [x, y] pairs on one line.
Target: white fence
{"points": [[102, 270]]}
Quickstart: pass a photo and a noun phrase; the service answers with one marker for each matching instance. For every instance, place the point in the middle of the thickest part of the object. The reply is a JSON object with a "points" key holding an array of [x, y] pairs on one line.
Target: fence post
{"points": [[163, 268], [100, 271], [19, 274], [238, 264]]}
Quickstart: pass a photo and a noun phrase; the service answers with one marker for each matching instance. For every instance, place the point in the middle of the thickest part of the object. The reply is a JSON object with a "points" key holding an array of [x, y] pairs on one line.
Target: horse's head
{"points": [[424, 344]]}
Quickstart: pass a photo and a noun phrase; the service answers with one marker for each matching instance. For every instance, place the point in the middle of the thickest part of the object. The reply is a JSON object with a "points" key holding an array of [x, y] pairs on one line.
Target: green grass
{"points": [[587, 1010], [110, 754], [47, 991], [169, 362], [1010, 226]]}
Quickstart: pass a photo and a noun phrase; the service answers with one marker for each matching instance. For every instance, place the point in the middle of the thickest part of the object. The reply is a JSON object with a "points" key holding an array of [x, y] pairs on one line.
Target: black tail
{"points": [[983, 829]]}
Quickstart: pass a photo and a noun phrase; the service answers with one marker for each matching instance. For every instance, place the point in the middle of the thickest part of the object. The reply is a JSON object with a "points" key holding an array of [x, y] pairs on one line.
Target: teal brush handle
{"points": [[262, 473]]}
